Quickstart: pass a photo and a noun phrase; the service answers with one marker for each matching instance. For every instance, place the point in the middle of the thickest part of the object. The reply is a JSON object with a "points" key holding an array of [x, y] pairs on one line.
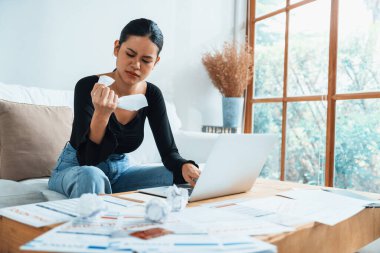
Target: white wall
{"points": [[52, 43]]}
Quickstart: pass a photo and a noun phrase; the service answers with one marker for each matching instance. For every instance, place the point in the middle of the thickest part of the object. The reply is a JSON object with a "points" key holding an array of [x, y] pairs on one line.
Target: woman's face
{"points": [[135, 58]]}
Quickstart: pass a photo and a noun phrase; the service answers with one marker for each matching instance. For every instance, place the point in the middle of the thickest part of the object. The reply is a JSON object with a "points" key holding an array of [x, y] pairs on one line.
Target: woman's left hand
{"points": [[190, 173]]}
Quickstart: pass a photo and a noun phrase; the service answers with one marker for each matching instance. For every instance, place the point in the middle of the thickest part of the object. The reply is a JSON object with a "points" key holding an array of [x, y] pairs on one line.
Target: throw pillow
{"points": [[31, 138]]}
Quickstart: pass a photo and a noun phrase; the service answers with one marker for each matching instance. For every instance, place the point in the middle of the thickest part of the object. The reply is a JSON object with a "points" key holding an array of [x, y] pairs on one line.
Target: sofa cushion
{"points": [[36, 95], [13, 193], [52, 195], [41, 184], [31, 138]]}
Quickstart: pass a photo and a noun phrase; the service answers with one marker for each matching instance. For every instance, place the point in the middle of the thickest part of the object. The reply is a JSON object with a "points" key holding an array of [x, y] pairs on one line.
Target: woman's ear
{"points": [[157, 60], [116, 47]]}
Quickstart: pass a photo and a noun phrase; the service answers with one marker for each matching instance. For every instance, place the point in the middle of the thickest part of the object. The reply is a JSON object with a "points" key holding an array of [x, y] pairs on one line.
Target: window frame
{"points": [[331, 97]]}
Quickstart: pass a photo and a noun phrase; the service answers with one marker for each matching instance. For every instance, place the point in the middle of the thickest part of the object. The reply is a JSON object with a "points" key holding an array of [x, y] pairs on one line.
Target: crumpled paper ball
{"points": [[89, 205], [157, 210], [177, 198]]}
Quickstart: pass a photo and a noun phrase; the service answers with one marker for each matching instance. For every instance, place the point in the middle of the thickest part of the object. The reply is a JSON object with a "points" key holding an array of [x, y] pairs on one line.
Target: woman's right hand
{"points": [[104, 100]]}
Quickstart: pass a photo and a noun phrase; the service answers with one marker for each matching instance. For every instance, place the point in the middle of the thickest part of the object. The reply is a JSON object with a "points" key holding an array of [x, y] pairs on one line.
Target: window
{"points": [[317, 85], [267, 119]]}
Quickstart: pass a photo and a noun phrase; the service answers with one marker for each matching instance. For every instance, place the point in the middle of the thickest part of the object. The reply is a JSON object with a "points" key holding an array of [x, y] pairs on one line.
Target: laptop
{"points": [[232, 167]]}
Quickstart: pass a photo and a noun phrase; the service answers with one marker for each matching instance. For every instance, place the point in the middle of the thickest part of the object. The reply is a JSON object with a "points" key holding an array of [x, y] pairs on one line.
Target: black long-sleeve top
{"points": [[119, 138]]}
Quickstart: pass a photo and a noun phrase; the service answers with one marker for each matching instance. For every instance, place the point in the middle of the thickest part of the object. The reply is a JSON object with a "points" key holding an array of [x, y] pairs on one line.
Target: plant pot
{"points": [[232, 111]]}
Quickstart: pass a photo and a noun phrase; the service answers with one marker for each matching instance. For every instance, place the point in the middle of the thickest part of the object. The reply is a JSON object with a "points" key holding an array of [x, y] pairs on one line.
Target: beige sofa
{"points": [[35, 124]]}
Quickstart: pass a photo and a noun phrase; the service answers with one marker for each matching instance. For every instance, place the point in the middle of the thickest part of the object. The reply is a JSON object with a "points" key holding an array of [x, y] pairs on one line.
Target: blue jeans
{"points": [[116, 174]]}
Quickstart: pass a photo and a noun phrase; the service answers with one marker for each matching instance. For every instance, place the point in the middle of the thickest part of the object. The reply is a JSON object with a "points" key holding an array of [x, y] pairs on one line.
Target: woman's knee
{"points": [[94, 178], [90, 173]]}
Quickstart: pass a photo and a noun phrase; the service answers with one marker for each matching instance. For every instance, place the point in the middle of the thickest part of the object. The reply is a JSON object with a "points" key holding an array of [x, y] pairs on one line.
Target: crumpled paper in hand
{"points": [[131, 102], [106, 80]]}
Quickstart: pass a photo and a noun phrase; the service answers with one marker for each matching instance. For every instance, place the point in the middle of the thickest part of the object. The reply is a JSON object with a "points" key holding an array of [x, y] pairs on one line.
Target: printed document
{"points": [[53, 212], [97, 236], [322, 206]]}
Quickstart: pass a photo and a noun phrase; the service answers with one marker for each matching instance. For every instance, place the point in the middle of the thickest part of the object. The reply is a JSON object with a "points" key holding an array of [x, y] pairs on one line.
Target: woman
{"points": [[94, 160]]}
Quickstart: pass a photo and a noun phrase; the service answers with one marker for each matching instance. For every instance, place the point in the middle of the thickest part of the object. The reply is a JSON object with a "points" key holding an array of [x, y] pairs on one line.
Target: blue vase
{"points": [[232, 111]]}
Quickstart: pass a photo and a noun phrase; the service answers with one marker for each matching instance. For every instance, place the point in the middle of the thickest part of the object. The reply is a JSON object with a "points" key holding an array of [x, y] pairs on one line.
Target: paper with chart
{"points": [[223, 203], [55, 241], [324, 207], [138, 197], [103, 235], [300, 207], [225, 222], [348, 193], [278, 210], [199, 243], [53, 212]]}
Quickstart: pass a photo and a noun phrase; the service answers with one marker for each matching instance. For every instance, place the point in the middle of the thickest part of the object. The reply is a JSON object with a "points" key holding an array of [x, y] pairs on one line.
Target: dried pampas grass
{"points": [[230, 68]]}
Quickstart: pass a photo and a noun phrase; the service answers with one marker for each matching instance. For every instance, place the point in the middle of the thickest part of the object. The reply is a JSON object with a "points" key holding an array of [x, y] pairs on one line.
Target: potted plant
{"points": [[230, 70]]}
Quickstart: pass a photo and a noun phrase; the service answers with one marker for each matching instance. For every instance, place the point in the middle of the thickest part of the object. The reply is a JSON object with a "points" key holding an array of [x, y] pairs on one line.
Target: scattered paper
{"points": [[322, 206], [223, 203], [53, 212], [139, 197], [249, 211], [96, 237], [279, 210], [223, 222], [200, 243], [42, 214], [219, 227], [351, 194], [117, 202], [325, 197]]}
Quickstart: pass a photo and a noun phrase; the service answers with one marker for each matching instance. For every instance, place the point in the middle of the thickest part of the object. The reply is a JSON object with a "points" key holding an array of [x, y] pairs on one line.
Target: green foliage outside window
{"points": [[357, 130]]}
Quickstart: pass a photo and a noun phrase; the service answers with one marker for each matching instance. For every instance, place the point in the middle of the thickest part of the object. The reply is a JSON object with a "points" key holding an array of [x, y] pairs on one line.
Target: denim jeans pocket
{"points": [[67, 158], [116, 164], [69, 154]]}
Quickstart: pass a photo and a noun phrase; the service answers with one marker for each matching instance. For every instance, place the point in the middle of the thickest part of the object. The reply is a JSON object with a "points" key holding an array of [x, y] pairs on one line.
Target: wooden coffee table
{"points": [[346, 236]]}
